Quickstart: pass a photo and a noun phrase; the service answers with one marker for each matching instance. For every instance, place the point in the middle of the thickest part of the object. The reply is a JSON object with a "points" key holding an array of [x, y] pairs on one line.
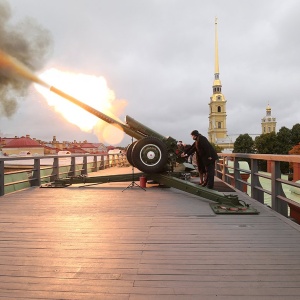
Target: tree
{"points": [[283, 146], [266, 143], [284, 141], [295, 134], [243, 144], [295, 150]]}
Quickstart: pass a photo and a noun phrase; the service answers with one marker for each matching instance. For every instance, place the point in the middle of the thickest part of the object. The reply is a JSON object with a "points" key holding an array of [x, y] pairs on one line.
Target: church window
{"points": [[219, 124], [219, 108]]}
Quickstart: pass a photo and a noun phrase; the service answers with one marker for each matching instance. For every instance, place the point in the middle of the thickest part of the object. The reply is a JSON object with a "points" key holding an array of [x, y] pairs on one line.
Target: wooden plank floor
{"points": [[104, 242]]}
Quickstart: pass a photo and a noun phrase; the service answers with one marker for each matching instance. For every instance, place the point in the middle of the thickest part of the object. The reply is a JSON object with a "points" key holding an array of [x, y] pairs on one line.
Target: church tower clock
{"points": [[217, 107]]}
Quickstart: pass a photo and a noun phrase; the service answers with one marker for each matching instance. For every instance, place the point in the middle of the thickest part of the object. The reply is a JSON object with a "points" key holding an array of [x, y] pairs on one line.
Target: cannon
{"points": [[151, 152], [156, 156]]}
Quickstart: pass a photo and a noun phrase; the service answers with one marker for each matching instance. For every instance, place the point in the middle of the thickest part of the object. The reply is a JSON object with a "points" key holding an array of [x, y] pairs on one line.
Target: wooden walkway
{"points": [[104, 242]]}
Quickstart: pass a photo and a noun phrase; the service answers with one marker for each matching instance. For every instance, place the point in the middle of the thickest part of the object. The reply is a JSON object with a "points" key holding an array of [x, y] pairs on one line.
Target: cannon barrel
{"points": [[141, 128], [151, 153], [146, 131], [98, 114]]}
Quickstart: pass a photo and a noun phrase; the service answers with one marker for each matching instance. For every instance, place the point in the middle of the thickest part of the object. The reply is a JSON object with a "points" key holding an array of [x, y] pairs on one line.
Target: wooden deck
{"points": [[104, 242]]}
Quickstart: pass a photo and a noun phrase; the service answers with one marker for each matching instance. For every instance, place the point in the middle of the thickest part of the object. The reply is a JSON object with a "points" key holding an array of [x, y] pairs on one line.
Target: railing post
{"points": [[36, 172], [84, 167], [2, 178], [102, 167], [109, 161], [224, 168], [227, 179], [72, 171], [255, 183], [237, 175], [55, 170], [95, 164], [277, 190]]}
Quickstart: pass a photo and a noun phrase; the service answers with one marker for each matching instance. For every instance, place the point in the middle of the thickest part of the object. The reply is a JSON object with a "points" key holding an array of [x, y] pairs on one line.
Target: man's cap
{"points": [[195, 132]]}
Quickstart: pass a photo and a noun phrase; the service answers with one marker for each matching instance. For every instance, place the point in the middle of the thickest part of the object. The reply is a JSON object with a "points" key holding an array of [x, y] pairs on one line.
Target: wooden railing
{"points": [[30, 171], [271, 188]]}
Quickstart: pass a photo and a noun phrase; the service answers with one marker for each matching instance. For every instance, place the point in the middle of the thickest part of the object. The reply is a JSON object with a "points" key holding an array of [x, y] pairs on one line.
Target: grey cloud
{"points": [[159, 56]]}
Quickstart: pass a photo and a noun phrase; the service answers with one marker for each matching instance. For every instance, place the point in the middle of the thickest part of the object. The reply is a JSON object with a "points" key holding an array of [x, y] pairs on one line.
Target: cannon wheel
{"points": [[129, 153], [150, 155]]}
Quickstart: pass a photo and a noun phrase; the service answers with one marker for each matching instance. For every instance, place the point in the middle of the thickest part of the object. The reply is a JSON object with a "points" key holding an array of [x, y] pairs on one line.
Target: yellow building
{"points": [[217, 131], [268, 123]]}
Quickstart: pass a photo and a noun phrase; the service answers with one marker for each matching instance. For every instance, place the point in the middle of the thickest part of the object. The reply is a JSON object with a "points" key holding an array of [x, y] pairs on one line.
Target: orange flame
{"points": [[88, 89]]}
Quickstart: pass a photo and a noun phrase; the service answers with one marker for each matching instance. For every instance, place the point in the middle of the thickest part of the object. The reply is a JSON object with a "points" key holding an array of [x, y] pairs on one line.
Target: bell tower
{"points": [[217, 106], [268, 123]]}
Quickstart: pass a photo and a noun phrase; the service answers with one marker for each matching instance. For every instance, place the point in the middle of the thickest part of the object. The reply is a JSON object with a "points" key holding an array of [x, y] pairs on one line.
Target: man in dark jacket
{"points": [[207, 154]]}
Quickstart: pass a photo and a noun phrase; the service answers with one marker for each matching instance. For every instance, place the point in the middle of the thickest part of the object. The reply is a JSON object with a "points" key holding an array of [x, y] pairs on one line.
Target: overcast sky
{"points": [[158, 55]]}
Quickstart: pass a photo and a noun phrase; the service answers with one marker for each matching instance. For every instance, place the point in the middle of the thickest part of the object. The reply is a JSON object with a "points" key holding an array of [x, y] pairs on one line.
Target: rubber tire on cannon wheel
{"points": [[129, 153], [150, 155]]}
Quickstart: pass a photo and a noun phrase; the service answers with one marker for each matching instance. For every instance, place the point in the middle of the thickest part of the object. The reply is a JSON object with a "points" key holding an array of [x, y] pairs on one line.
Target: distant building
{"points": [[50, 150], [23, 146], [101, 148], [88, 147], [268, 123], [58, 145], [75, 149]]}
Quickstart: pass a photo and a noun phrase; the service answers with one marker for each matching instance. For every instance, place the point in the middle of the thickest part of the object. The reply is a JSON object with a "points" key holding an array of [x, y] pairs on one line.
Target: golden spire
{"points": [[217, 80], [216, 47]]}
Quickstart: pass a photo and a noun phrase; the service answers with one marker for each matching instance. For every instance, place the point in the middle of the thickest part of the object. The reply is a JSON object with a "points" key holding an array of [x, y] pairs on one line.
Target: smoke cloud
{"points": [[29, 43]]}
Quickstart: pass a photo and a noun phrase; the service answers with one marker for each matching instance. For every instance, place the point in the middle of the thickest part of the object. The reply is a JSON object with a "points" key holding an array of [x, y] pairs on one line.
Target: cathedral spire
{"points": [[216, 50], [217, 82]]}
